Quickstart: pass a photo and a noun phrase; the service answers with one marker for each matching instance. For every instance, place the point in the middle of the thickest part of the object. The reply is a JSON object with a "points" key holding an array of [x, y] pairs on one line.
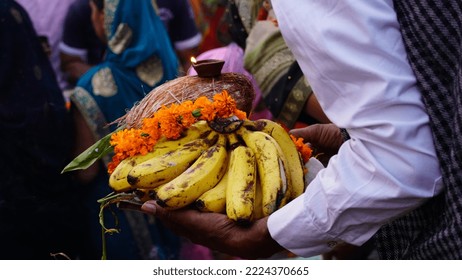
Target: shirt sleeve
{"points": [[352, 53]]}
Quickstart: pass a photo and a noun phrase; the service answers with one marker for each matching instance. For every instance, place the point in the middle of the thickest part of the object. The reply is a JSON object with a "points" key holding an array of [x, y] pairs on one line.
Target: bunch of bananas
{"points": [[246, 169]]}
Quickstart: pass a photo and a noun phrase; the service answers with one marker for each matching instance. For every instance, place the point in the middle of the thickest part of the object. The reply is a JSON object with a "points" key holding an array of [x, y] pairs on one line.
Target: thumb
{"points": [[152, 208], [171, 219], [175, 219]]}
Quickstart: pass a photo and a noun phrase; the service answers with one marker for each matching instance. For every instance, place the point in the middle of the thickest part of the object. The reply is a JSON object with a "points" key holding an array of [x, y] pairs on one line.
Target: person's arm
{"points": [[313, 109], [357, 66]]}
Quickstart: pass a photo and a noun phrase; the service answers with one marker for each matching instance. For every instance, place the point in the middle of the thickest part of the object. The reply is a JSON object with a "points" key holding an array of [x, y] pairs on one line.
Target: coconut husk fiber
{"points": [[190, 88]]}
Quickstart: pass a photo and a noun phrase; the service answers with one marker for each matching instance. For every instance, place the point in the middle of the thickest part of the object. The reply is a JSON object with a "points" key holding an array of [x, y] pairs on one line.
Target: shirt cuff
{"points": [[289, 226]]}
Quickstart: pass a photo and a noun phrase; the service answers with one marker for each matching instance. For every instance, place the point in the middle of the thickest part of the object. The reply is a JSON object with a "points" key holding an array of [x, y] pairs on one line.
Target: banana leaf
{"points": [[95, 152]]}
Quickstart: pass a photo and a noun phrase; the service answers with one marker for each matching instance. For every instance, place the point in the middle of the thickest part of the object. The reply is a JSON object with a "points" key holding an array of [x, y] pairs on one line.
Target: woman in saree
{"points": [[139, 57]]}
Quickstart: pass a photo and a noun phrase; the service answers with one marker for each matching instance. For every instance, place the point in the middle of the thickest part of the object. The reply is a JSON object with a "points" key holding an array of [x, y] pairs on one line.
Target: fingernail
{"points": [[149, 208]]}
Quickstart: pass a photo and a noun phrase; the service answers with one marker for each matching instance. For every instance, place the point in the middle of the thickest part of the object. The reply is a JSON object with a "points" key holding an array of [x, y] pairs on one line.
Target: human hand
{"points": [[217, 231], [324, 139], [345, 251]]}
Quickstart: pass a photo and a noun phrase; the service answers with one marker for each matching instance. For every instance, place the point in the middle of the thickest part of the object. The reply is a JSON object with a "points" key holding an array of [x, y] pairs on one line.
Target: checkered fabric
{"points": [[432, 32]]}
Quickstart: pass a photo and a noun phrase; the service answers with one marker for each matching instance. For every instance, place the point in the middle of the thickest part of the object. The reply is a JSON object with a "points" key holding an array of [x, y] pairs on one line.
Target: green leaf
{"points": [[196, 113], [95, 152]]}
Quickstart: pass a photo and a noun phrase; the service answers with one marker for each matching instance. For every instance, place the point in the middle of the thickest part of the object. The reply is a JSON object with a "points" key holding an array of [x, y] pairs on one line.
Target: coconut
{"points": [[190, 88]]}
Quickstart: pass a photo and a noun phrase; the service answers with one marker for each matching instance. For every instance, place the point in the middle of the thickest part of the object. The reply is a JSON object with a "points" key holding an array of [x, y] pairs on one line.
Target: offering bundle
{"points": [[189, 143]]}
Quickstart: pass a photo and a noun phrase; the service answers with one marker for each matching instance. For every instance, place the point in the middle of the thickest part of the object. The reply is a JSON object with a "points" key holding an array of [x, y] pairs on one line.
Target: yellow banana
{"points": [[285, 174], [242, 180], [145, 194], [294, 159], [198, 130], [269, 168], [118, 178], [257, 206], [233, 141], [200, 177], [164, 168], [214, 200]]}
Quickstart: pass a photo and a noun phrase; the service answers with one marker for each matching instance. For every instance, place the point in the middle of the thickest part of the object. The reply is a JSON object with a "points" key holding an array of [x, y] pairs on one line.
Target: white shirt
{"points": [[352, 53]]}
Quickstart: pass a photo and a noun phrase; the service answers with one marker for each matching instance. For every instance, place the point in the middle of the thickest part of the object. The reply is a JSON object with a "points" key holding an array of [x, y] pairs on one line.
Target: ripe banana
{"points": [[257, 206], [118, 178], [233, 141], [145, 194], [285, 174], [214, 200], [164, 168], [294, 159], [269, 168], [242, 181], [200, 177]]}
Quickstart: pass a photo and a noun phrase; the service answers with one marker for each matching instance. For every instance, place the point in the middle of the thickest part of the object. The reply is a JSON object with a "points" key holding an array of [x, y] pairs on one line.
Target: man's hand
{"points": [[217, 231], [324, 139]]}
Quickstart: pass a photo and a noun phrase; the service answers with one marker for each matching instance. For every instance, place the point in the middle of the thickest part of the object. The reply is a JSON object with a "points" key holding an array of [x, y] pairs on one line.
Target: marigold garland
{"points": [[171, 121]]}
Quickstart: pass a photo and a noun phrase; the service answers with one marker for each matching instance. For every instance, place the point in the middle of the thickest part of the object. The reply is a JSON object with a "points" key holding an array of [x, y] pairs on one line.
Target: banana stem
{"points": [[103, 240], [116, 197], [105, 202]]}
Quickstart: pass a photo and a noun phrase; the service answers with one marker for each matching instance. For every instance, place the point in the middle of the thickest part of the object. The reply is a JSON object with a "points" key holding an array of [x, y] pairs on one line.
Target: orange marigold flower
{"points": [[224, 104], [151, 127], [205, 107], [185, 115], [303, 149], [187, 106], [171, 130], [208, 113], [112, 165], [240, 114], [202, 102], [188, 120]]}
